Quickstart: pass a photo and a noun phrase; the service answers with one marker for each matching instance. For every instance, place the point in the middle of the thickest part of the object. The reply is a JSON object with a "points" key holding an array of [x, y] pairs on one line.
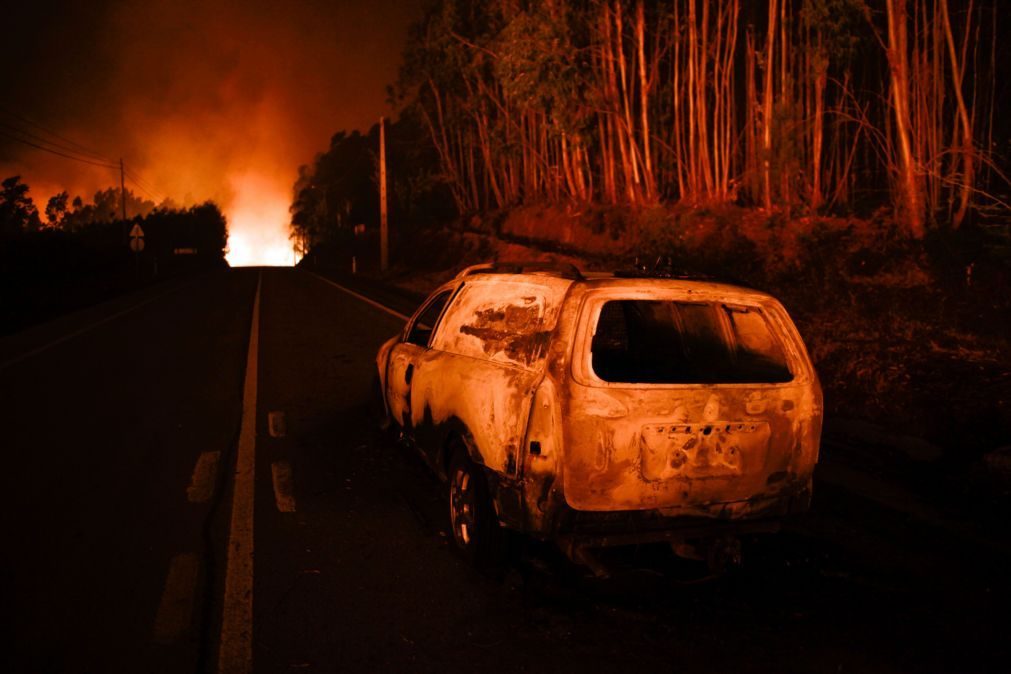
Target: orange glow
{"points": [[216, 101], [258, 223]]}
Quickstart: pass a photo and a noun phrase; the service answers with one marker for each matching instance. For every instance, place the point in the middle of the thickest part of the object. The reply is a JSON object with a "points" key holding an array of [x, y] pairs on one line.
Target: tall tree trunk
{"points": [[629, 129], [818, 132], [640, 37], [770, 50], [702, 107], [679, 155], [614, 112], [910, 184], [751, 160], [967, 151]]}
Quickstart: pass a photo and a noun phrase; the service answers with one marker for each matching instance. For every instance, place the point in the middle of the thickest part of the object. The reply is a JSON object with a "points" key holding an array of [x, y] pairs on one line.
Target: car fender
{"points": [[382, 363]]}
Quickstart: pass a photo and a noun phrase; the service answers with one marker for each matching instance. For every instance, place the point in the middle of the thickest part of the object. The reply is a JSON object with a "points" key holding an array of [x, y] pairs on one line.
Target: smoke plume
{"points": [[217, 101]]}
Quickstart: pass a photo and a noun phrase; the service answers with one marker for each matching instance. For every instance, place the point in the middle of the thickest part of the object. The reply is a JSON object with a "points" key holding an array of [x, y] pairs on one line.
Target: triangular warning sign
{"points": [[136, 231]]}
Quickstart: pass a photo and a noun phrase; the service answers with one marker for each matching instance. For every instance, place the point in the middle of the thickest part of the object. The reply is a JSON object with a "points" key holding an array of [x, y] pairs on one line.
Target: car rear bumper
{"points": [[679, 533], [761, 514]]}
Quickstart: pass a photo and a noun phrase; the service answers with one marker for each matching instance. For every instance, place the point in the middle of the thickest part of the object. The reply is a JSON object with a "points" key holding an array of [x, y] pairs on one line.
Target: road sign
{"points": [[136, 238]]}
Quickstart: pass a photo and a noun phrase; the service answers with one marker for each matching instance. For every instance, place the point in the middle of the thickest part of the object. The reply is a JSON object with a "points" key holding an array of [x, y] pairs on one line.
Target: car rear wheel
{"points": [[476, 530]]}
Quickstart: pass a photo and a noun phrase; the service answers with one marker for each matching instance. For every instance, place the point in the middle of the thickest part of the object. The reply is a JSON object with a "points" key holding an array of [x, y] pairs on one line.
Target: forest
{"points": [[808, 106], [849, 156]]}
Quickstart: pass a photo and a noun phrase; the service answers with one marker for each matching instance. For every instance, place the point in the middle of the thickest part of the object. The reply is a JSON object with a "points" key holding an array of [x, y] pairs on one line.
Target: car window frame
{"points": [[581, 367], [452, 292]]}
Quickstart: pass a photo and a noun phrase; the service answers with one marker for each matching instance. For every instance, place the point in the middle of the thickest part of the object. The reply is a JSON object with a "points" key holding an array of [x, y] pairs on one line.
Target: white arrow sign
{"points": [[136, 238]]}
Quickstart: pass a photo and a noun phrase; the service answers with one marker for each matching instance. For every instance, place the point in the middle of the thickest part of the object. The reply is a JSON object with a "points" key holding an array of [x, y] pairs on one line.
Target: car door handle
{"points": [[409, 373]]}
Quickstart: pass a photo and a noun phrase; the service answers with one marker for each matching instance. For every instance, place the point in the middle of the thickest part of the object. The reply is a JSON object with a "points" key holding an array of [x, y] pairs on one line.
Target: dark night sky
{"points": [[215, 100]]}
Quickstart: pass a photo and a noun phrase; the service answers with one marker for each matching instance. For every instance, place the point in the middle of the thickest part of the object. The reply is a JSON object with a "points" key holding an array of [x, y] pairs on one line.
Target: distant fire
{"points": [[205, 101], [258, 223]]}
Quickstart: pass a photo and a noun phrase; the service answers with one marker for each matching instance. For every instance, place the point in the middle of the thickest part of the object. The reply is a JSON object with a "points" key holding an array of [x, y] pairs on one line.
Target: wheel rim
{"points": [[461, 507]]}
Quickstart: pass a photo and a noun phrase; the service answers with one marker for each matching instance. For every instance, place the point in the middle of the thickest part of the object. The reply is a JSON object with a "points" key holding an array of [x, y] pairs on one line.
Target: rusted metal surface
{"points": [[509, 367], [502, 320], [687, 448], [485, 360]]}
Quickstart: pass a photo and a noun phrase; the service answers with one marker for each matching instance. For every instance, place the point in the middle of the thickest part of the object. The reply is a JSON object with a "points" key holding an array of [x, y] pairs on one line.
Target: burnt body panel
{"points": [[684, 447], [509, 372]]}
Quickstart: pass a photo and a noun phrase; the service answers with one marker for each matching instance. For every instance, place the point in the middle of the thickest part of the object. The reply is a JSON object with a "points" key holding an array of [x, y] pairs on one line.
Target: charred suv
{"points": [[604, 410]]}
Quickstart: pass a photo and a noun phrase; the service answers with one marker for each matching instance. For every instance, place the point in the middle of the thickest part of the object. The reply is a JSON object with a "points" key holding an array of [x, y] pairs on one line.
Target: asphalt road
{"points": [[164, 506]]}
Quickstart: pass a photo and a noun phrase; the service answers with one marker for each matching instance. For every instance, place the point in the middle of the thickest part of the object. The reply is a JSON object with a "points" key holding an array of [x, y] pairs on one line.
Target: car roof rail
{"points": [[663, 268], [567, 271]]}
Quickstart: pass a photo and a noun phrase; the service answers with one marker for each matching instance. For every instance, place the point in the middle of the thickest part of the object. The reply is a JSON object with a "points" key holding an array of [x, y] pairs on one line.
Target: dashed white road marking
{"points": [[284, 486], [363, 298], [235, 651], [175, 612], [205, 475], [276, 424]]}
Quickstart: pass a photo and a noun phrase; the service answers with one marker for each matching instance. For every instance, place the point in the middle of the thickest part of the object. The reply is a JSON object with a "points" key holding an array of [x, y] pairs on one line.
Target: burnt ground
{"points": [[107, 412]]}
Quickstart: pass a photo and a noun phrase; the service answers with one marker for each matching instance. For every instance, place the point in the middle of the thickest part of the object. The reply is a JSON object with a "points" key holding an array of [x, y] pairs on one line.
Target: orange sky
{"points": [[217, 100]]}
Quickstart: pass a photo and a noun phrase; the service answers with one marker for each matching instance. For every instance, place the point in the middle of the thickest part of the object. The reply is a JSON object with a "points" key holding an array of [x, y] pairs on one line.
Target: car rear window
{"points": [[667, 342]]}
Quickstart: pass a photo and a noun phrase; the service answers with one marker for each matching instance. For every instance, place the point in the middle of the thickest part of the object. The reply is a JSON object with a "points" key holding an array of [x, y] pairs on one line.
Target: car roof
{"points": [[611, 280], [599, 280]]}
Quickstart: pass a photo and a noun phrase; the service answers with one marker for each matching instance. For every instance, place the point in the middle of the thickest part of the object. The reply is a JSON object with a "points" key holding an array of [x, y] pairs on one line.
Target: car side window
{"points": [[421, 331]]}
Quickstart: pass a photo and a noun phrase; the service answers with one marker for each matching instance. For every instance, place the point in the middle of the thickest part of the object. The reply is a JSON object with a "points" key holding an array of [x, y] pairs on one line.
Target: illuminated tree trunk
{"points": [[704, 158], [629, 128], [818, 131], [751, 159], [966, 154], [910, 184], [442, 145], [770, 52], [679, 153], [649, 182], [613, 98]]}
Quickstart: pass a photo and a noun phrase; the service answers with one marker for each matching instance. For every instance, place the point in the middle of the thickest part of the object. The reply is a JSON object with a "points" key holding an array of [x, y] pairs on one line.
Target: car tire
{"points": [[475, 527]]}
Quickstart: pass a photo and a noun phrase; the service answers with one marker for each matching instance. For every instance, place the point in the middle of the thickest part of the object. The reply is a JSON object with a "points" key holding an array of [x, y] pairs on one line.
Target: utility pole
{"points": [[122, 192], [384, 245]]}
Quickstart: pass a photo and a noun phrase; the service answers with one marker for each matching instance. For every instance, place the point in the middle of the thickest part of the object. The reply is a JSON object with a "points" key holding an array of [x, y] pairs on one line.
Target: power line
{"points": [[81, 149], [68, 151], [56, 152], [140, 181], [10, 128], [153, 197], [157, 198], [145, 185]]}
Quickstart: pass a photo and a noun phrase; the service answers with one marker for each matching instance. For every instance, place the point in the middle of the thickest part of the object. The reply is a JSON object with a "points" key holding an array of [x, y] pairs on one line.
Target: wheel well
{"points": [[453, 444]]}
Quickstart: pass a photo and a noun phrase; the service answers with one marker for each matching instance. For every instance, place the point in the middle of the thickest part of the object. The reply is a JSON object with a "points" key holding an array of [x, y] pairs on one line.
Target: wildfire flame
{"points": [[258, 223], [222, 102]]}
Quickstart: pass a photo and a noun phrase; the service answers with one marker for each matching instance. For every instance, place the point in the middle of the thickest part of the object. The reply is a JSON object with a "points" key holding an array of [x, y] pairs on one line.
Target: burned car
{"points": [[606, 409]]}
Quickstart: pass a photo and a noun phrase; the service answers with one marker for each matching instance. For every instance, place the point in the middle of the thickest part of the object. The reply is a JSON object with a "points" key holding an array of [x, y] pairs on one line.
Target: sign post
{"points": [[136, 245]]}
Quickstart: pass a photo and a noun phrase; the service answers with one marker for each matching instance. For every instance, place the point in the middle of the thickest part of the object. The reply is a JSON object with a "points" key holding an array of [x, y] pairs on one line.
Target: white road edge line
{"points": [[76, 333], [175, 611], [363, 298], [235, 651], [284, 486]]}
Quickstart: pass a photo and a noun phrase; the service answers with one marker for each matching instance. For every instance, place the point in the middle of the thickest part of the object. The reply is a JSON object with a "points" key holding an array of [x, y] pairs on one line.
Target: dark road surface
{"points": [[121, 442]]}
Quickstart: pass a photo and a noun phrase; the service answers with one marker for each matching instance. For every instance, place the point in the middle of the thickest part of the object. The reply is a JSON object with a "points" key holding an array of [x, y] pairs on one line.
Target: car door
{"points": [[407, 355]]}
